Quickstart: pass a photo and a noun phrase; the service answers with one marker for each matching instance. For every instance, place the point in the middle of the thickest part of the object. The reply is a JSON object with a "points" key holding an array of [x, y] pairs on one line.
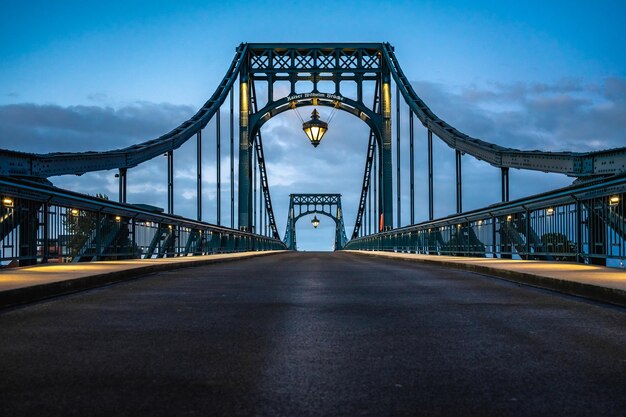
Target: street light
{"points": [[315, 128], [7, 202], [315, 222]]}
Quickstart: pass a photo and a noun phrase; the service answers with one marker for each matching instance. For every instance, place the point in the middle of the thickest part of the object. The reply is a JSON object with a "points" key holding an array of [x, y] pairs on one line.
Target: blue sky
{"points": [[549, 75]]}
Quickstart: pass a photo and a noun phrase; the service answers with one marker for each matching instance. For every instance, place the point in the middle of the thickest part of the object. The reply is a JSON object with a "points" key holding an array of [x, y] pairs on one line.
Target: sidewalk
{"points": [[23, 285], [589, 281]]}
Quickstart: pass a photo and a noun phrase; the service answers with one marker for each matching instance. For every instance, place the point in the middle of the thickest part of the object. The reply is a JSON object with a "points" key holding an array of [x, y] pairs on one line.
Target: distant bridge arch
{"points": [[328, 205]]}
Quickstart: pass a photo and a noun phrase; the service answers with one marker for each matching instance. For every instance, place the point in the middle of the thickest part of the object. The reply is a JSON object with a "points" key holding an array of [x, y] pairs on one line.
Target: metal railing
{"points": [[581, 223], [40, 223]]}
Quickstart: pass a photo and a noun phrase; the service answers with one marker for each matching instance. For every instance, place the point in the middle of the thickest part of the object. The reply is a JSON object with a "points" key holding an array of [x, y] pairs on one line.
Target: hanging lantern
{"points": [[315, 222], [315, 128]]}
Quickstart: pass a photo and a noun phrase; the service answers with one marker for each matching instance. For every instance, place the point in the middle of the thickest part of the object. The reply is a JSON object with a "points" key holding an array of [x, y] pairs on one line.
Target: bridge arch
{"points": [[355, 108], [328, 205]]}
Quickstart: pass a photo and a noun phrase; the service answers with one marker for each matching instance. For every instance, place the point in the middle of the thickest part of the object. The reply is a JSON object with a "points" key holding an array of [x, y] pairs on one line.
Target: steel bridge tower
{"points": [[358, 64]]}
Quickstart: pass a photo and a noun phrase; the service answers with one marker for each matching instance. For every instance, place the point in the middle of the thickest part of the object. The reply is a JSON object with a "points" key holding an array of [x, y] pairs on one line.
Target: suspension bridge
{"points": [[583, 223], [328, 313]]}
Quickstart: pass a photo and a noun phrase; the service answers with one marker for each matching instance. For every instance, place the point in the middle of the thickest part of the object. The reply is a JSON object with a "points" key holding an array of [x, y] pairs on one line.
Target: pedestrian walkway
{"points": [[21, 285], [590, 281]]}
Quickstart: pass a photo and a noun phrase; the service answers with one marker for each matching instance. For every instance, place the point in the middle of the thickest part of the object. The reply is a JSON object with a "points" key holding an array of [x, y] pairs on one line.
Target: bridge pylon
{"points": [[363, 64]]}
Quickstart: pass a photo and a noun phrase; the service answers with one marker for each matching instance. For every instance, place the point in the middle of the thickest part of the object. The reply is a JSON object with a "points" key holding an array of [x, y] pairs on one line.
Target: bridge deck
{"points": [[42, 281], [333, 334], [591, 281], [33, 283]]}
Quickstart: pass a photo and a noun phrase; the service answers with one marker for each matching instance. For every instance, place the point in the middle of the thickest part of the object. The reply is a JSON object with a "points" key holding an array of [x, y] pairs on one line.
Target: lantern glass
{"points": [[315, 222], [315, 128]]}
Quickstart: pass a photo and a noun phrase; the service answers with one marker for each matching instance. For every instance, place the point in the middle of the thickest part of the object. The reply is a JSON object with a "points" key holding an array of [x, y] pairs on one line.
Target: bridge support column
{"points": [[431, 208], [411, 167], [122, 185], [505, 184], [245, 172], [232, 160], [386, 163], [290, 236], [459, 184], [398, 159], [254, 225], [199, 174], [170, 182], [218, 156]]}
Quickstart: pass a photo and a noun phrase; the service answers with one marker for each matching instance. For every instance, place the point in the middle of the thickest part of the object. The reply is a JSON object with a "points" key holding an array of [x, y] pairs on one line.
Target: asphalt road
{"points": [[314, 334]]}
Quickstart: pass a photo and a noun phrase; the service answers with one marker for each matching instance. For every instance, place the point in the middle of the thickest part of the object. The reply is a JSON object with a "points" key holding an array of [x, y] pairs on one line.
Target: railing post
{"points": [[45, 253], [579, 232], [494, 246], [133, 242], [98, 235], [527, 233]]}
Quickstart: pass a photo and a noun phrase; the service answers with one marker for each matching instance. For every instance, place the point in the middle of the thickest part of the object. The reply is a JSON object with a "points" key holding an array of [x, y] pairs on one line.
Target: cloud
{"points": [[564, 115], [97, 97], [559, 116], [53, 128]]}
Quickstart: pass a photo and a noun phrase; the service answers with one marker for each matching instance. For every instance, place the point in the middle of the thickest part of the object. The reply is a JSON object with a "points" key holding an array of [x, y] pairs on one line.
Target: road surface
{"points": [[313, 334]]}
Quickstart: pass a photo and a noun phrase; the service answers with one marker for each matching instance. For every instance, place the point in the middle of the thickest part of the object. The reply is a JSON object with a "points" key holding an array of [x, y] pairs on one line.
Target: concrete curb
{"points": [[579, 289], [17, 296]]}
